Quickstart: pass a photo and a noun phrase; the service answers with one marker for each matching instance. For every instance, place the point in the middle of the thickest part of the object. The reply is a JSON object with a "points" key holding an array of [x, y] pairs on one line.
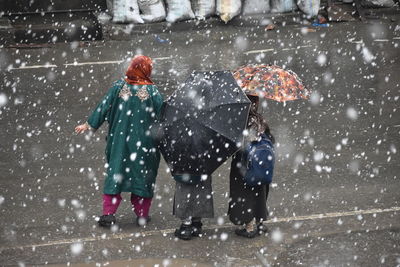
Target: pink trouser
{"points": [[140, 205]]}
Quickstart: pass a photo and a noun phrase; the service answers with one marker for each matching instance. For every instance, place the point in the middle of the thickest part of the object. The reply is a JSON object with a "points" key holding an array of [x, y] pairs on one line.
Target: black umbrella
{"points": [[203, 123]]}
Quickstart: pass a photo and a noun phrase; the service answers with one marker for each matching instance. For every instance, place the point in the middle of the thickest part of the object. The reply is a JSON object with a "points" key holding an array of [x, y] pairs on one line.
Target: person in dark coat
{"points": [[248, 204], [193, 201]]}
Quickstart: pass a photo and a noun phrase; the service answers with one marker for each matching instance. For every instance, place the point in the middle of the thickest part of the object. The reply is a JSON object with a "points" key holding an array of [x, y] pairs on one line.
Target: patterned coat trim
{"points": [[125, 93], [142, 94]]}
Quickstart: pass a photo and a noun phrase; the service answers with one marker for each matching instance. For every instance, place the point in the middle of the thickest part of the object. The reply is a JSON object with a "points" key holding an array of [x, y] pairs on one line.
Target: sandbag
{"points": [[256, 7], [152, 10], [282, 6], [377, 3], [203, 8], [228, 9], [179, 10], [309, 7], [125, 11]]}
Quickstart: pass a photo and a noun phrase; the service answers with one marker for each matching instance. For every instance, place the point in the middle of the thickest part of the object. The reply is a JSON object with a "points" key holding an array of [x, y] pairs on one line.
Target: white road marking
{"points": [[107, 62], [333, 215], [94, 63], [259, 51], [33, 67], [80, 64], [356, 42], [273, 49], [381, 40], [169, 231], [161, 58]]}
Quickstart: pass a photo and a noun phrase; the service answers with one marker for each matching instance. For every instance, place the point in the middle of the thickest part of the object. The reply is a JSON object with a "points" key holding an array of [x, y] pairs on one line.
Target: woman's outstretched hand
{"points": [[82, 128]]}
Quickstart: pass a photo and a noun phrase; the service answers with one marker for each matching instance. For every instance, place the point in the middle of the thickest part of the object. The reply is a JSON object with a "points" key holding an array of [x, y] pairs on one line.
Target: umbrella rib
{"points": [[220, 133], [208, 127]]}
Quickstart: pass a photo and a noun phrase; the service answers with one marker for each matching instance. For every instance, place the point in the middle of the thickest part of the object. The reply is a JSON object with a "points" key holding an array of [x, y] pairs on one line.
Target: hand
{"points": [[82, 128]]}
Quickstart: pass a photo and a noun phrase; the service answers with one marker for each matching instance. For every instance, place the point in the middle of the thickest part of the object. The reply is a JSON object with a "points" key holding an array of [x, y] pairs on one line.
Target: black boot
{"points": [[197, 231], [107, 220], [245, 233], [184, 232]]}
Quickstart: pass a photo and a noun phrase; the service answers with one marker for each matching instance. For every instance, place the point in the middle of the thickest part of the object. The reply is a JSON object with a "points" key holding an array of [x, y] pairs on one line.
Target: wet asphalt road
{"points": [[335, 198]]}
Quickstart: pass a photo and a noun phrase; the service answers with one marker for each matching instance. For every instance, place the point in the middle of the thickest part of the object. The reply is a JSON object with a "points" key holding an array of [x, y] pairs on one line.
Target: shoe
{"points": [[107, 220], [244, 233], [197, 231], [142, 221], [184, 232]]}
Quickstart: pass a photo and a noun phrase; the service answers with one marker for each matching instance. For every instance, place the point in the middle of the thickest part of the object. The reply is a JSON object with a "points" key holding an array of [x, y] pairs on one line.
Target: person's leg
{"points": [[111, 203], [260, 220], [110, 206], [141, 207]]}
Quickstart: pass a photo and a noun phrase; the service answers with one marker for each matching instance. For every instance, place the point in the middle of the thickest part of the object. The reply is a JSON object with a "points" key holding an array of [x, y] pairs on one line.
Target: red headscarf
{"points": [[139, 71]]}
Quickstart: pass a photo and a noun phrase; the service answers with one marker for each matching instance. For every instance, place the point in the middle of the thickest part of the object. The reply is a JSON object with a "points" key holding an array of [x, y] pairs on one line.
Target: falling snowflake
{"points": [[352, 113], [322, 59], [224, 236], [367, 55], [76, 248], [3, 100], [277, 236]]}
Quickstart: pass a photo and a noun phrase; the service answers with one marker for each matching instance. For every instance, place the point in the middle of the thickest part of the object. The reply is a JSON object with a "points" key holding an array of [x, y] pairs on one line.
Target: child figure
{"points": [[130, 107], [248, 204]]}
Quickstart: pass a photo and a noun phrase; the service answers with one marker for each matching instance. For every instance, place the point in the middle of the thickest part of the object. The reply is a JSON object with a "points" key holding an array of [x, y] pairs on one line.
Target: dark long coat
{"points": [[247, 202]]}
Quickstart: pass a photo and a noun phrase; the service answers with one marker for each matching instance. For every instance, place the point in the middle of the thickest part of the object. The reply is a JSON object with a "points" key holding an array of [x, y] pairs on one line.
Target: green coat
{"points": [[131, 152]]}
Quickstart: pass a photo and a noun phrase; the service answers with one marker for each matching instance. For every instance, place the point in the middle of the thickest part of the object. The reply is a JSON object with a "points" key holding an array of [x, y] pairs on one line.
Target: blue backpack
{"points": [[259, 159]]}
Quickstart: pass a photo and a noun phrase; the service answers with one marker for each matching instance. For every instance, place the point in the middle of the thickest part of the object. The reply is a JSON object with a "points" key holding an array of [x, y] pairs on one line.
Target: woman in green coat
{"points": [[130, 107]]}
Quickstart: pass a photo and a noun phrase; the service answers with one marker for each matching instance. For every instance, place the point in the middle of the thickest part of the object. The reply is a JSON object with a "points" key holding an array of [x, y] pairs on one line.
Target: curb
{"points": [[130, 31], [50, 28], [7, 32]]}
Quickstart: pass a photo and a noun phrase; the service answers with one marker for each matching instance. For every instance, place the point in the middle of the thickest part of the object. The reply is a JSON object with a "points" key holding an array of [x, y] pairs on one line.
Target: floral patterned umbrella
{"points": [[271, 82]]}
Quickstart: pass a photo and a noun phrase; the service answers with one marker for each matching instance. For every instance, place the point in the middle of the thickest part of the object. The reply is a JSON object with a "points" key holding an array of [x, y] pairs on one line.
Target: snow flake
{"points": [[318, 156], [241, 43], [133, 156], [224, 236], [76, 248], [318, 168], [367, 55], [315, 98], [3, 100], [277, 236], [352, 113], [322, 59], [61, 203]]}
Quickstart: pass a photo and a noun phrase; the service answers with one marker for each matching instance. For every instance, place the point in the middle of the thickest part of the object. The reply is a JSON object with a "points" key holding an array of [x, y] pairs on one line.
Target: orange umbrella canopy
{"points": [[270, 81]]}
